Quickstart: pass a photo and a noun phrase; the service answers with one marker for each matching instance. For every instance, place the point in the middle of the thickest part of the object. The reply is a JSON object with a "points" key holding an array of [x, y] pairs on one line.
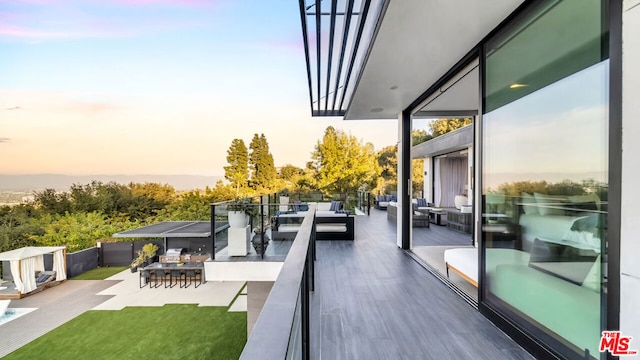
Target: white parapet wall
{"points": [[242, 270], [630, 227]]}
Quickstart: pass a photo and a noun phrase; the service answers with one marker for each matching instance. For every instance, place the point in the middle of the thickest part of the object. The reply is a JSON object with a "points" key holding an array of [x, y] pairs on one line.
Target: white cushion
{"points": [[327, 213], [288, 228], [331, 228], [464, 260], [323, 206]]}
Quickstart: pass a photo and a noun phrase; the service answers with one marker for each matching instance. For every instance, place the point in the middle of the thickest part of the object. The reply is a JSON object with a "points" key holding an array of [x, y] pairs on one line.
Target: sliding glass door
{"points": [[545, 174]]}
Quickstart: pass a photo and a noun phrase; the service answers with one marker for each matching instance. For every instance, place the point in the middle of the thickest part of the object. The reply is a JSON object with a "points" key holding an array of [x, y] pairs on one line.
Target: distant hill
{"points": [[64, 182]]}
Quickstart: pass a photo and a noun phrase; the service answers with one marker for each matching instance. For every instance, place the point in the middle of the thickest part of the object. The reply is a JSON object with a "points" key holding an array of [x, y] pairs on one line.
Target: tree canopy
{"points": [[237, 173], [443, 126], [263, 170], [344, 163]]}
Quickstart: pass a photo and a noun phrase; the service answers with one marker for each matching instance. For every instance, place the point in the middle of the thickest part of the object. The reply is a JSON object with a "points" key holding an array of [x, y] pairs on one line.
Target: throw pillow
{"points": [[422, 202], [335, 205]]}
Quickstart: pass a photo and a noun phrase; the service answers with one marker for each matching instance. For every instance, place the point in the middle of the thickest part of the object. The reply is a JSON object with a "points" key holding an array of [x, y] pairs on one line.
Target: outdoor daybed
{"points": [[570, 307], [27, 268], [332, 223]]}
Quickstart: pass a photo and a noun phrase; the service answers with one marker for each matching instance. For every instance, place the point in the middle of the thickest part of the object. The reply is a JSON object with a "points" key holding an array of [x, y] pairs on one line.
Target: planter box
{"points": [[238, 241]]}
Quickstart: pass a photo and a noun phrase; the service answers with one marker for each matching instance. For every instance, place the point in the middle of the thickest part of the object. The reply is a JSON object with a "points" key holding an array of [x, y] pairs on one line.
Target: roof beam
{"points": [[305, 40]]}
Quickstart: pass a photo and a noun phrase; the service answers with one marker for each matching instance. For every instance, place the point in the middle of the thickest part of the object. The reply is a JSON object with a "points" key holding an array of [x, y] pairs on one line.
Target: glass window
{"points": [[545, 173]]}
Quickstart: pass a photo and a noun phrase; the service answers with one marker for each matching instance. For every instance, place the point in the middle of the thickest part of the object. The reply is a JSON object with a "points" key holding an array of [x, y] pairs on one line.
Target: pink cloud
{"points": [[288, 46], [89, 108], [153, 2], [16, 31]]}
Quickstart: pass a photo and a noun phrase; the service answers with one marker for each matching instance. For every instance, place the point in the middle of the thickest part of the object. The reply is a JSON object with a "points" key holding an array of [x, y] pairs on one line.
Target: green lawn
{"points": [[100, 273], [168, 332]]}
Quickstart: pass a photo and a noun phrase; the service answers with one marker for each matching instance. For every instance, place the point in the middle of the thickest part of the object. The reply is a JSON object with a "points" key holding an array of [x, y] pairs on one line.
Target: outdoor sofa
{"points": [[332, 223], [382, 201]]}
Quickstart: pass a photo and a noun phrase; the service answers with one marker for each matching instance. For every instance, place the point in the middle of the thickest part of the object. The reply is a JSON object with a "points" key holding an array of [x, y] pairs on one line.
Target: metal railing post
{"points": [[262, 227], [213, 232]]}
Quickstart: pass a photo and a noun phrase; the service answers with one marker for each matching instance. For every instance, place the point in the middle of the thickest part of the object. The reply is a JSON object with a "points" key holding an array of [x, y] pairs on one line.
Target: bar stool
{"points": [[160, 277], [146, 275], [193, 277], [176, 275]]}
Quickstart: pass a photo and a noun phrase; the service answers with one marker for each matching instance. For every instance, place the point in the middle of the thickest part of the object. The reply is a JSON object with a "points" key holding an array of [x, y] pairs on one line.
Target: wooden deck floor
{"points": [[373, 301]]}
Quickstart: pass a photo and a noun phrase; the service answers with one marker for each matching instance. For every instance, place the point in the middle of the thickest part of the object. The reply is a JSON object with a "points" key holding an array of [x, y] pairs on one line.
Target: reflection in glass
{"points": [[545, 174]]}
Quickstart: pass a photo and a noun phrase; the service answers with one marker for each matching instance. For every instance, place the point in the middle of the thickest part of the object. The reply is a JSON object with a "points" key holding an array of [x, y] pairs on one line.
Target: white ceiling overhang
{"points": [[417, 43]]}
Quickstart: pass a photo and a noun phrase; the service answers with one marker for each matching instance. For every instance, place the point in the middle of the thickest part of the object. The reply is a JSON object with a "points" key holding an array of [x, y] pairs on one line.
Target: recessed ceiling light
{"points": [[377, 110], [517, 86], [394, 87]]}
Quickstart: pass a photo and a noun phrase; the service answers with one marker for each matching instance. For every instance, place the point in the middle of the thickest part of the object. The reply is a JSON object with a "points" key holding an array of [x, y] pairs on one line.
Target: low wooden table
{"points": [[459, 221], [435, 216]]}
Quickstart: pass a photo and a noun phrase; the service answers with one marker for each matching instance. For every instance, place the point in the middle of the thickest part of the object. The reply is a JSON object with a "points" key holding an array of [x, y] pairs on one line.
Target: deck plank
{"points": [[373, 301]]}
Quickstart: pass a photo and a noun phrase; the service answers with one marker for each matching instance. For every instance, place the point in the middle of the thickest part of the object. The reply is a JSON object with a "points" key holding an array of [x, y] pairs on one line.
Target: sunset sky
{"points": [[155, 86]]}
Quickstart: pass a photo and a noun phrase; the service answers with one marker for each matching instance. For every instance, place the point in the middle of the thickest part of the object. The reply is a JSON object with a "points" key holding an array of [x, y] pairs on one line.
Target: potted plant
{"points": [[138, 261], [149, 250], [260, 239], [240, 212]]}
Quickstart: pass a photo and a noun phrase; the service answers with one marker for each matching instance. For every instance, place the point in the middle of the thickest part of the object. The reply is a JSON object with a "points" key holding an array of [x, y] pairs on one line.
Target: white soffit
{"points": [[463, 94], [417, 43]]}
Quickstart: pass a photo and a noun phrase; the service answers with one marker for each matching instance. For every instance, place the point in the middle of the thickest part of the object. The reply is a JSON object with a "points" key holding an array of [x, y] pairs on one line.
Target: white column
{"points": [[630, 222], [470, 169], [428, 180]]}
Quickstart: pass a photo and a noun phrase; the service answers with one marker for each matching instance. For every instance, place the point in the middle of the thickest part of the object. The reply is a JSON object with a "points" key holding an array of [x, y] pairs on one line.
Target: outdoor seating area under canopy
{"points": [[194, 236], [25, 263]]}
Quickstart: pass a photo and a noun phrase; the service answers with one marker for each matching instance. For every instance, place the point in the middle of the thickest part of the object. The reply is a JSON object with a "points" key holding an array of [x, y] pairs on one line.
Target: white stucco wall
{"points": [[630, 227]]}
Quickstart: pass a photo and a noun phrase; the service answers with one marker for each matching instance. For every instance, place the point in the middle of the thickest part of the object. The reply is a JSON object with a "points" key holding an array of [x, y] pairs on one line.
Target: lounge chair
{"points": [[45, 277]]}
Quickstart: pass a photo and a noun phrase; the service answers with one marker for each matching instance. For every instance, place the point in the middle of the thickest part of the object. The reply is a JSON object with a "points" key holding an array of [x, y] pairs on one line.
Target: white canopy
{"points": [[25, 261], [27, 252]]}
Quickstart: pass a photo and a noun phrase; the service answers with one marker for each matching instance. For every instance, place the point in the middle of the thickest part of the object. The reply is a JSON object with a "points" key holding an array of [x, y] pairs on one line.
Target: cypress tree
{"points": [[238, 170], [263, 170]]}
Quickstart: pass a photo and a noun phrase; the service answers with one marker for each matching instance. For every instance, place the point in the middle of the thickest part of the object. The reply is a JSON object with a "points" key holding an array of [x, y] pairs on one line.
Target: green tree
{"points": [[419, 136], [417, 177], [17, 225], [52, 201], [443, 126], [80, 230], [237, 173], [388, 162], [84, 197], [148, 198], [344, 163], [290, 173], [263, 170], [196, 205]]}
